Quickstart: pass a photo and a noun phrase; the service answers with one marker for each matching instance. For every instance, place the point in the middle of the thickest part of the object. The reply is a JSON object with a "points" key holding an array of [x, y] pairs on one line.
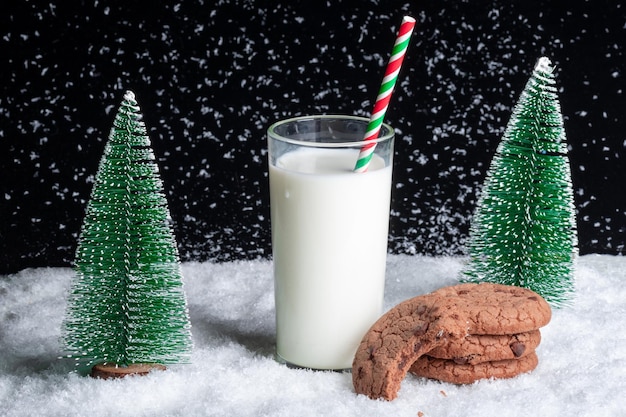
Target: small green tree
{"points": [[127, 304], [523, 232]]}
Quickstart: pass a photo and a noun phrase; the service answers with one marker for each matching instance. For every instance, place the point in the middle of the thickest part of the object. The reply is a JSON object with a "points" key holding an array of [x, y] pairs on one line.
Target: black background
{"points": [[211, 76]]}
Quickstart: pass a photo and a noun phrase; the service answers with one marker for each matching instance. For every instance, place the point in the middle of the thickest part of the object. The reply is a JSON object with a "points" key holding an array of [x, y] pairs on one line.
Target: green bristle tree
{"points": [[523, 232], [127, 304]]}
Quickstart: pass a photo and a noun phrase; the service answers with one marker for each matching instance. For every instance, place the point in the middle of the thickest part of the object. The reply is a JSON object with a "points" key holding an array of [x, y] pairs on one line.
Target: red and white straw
{"points": [[384, 93]]}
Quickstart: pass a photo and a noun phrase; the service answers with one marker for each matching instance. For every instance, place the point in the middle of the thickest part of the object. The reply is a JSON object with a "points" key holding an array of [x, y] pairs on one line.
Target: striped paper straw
{"points": [[384, 93]]}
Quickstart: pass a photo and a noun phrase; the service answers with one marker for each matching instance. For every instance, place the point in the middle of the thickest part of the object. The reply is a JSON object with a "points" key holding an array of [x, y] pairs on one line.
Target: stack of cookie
{"points": [[502, 346], [457, 334]]}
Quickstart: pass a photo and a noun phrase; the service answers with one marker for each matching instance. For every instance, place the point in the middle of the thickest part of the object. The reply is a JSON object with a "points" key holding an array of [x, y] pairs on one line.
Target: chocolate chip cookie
{"points": [[455, 373], [423, 323]]}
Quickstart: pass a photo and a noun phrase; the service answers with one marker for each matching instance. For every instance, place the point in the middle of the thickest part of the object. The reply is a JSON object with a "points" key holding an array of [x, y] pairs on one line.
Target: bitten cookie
{"points": [[423, 323], [474, 349], [450, 371], [403, 334]]}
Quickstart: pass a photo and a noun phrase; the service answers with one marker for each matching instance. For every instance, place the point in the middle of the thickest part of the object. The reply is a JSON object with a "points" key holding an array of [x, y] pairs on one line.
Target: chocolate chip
{"points": [[518, 348], [421, 328], [371, 350], [421, 309], [403, 362]]}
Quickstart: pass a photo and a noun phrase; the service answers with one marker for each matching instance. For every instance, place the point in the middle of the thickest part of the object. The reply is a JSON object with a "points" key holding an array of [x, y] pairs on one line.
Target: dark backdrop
{"points": [[211, 76]]}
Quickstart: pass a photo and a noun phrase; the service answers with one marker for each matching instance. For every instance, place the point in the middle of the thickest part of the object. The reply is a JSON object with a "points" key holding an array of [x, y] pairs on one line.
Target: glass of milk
{"points": [[329, 237]]}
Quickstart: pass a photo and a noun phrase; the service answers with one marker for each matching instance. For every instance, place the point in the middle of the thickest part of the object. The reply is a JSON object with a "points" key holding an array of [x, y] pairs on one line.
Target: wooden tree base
{"points": [[112, 370]]}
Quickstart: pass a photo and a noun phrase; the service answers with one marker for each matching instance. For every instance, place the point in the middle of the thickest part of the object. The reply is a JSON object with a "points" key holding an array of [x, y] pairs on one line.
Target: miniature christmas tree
{"points": [[127, 305], [523, 232]]}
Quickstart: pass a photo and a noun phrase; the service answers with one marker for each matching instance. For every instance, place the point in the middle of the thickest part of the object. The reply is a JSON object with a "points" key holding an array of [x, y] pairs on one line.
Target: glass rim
{"points": [[271, 132]]}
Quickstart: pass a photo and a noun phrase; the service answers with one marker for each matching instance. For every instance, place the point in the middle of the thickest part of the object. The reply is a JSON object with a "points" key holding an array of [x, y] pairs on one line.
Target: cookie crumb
{"points": [[420, 414], [443, 393]]}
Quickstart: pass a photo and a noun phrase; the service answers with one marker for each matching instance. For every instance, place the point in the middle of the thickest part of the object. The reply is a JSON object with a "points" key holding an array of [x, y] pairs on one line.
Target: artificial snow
{"points": [[582, 356]]}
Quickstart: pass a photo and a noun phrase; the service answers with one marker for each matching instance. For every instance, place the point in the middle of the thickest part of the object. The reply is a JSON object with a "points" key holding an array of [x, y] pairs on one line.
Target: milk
{"points": [[329, 239]]}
